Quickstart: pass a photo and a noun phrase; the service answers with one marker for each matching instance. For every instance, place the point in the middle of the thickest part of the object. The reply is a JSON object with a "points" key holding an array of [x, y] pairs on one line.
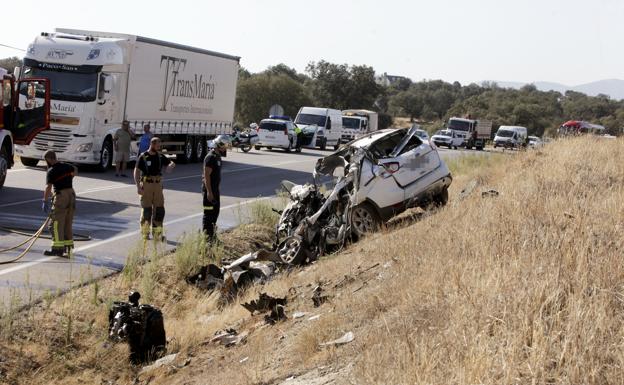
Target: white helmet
{"points": [[221, 141], [253, 126]]}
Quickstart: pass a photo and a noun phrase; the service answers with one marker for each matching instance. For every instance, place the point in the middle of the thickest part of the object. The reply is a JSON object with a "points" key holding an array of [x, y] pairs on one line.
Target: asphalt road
{"points": [[108, 211]]}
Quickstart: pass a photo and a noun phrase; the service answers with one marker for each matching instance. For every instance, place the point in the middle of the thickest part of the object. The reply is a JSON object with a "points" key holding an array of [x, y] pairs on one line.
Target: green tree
{"points": [[10, 63], [342, 87], [256, 94]]}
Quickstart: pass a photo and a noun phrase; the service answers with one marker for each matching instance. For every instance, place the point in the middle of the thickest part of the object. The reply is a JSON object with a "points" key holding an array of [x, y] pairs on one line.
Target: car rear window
{"points": [[272, 126]]}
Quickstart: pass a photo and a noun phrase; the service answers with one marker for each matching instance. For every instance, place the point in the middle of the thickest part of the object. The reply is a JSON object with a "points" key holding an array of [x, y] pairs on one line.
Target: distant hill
{"points": [[612, 87]]}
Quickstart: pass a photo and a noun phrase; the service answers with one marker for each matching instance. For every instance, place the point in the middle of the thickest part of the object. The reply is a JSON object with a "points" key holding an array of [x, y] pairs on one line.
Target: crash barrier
{"points": [[141, 326]]}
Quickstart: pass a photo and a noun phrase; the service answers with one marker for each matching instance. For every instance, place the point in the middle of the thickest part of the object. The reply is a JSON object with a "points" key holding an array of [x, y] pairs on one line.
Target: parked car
{"points": [[277, 132], [447, 138], [396, 170], [535, 142]]}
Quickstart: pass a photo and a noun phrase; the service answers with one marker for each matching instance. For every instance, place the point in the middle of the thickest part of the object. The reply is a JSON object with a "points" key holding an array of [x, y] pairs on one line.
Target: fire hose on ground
{"points": [[32, 238]]}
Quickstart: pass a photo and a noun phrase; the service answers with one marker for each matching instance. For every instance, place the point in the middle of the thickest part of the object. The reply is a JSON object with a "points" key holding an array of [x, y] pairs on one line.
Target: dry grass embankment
{"points": [[525, 287]]}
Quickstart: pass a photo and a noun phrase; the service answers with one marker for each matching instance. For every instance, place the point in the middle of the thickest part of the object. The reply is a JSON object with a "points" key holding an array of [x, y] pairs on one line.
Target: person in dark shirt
{"points": [[60, 177], [210, 186], [148, 179]]}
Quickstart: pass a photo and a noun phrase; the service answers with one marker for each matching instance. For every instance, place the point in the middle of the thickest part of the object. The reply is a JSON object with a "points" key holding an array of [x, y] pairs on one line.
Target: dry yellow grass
{"points": [[526, 287]]}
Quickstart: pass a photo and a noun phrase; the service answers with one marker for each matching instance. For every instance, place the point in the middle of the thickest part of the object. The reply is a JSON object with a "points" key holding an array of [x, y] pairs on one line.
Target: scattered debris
{"points": [[568, 215], [244, 360], [298, 314], [142, 326], [229, 337], [314, 317], [251, 268], [489, 193], [317, 296], [166, 360], [345, 339], [465, 193], [266, 303]]}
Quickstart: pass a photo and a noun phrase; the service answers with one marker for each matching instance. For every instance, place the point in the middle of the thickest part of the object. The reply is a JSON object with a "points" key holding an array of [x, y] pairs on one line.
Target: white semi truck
{"points": [[99, 79], [358, 122]]}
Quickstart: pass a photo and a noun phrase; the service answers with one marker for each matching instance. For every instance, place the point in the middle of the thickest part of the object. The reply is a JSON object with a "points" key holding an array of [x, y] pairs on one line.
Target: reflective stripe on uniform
{"points": [[56, 241], [208, 207]]}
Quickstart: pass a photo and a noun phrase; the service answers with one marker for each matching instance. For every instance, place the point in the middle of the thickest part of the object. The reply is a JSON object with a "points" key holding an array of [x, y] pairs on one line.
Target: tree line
{"points": [[342, 86]]}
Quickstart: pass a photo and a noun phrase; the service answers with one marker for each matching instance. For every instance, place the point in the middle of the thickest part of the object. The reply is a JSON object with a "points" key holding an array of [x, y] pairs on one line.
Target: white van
{"points": [[276, 132], [321, 127], [510, 136]]}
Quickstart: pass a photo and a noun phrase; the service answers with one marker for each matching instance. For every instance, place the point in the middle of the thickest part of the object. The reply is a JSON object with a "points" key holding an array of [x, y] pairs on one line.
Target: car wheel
{"points": [[323, 145], [106, 156], [245, 148], [364, 219], [291, 252], [337, 146], [257, 147], [29, 162], [289, 148], [269, 148], [298, 150]]}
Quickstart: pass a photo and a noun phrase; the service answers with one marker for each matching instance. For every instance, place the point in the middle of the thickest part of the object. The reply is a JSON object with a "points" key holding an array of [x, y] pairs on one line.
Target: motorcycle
{"points": [[313, 224], [244, 139]]}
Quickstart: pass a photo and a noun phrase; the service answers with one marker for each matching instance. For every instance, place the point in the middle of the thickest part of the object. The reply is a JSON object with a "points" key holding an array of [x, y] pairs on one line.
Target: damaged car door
{"points": [[416, 161]]}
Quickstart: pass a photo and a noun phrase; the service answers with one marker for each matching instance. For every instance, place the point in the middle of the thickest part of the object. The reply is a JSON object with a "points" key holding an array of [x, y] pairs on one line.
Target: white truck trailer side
{"points": [[99, 79]]}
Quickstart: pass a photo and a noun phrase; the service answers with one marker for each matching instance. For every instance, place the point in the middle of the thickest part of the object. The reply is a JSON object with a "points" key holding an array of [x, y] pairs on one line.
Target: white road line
{"points": [[117, 187], [119, 237]]}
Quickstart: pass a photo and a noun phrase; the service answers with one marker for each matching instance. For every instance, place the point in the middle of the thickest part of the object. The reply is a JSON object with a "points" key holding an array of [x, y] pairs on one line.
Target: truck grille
{"points": [[57, 139]]}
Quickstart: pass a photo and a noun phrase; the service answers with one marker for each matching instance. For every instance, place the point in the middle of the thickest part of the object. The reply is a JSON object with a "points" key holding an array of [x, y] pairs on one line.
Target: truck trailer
{"points": [[99, 79]]}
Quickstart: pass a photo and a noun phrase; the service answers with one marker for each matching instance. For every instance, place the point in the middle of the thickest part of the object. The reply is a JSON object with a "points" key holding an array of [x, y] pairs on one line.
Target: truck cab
{"points": [[352, 127], [473, 133]]}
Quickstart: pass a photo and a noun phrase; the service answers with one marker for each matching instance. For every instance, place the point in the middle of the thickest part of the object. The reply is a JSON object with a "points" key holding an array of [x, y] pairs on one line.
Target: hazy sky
{"points": [[567, 41]]}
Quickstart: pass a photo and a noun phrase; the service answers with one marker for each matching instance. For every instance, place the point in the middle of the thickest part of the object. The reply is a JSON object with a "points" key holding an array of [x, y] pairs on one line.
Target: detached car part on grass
{"points": [[142, 326], [379, 176]]}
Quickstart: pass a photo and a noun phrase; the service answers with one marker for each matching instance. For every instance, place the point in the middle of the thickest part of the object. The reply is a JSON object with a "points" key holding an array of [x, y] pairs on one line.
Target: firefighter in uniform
{"points": [[210, 186], [148, 179], [60, 177]]}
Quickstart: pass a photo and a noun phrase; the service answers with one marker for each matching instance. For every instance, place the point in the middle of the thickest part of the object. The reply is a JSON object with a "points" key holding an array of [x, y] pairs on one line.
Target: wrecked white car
{"points": [[378, 177]]}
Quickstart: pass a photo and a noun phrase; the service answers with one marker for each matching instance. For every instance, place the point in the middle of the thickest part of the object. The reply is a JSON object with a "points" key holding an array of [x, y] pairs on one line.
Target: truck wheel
{"points": [[323, 145], [200, 149], [4, 165], [269, 148], [187, 151], [106, 156], [289, 148], [29, 162], [364, 219], [258, 148]]}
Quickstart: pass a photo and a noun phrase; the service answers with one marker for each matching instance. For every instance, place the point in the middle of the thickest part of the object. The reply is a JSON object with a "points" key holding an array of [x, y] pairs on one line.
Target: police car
{"points": [[277, 131]]}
